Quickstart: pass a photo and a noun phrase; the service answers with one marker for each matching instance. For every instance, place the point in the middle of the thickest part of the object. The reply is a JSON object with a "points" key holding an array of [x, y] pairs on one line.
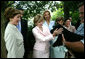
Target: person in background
{"points": [[59, 20], [23, 28], [68, 26], [58, 51], [77, 48], [13, 37], [70, 18], [48, 22], [42, 36]]}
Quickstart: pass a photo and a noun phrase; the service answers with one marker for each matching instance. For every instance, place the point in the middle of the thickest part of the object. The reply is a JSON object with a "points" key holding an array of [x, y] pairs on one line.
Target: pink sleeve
{"points": [[39, 36]]}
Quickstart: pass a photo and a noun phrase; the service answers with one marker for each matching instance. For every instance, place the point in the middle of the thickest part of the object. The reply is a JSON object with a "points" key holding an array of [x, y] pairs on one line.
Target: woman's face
{"points": [[60, 22], [47, 16], [40, 23], [16, 19], [68, 22]]}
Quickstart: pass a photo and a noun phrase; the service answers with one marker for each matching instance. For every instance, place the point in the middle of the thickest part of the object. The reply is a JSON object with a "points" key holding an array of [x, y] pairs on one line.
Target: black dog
{"points": [[69, 36]]}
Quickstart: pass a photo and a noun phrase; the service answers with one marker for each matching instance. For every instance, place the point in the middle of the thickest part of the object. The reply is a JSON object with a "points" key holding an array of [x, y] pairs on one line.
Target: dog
{"points": [[69, 36]]}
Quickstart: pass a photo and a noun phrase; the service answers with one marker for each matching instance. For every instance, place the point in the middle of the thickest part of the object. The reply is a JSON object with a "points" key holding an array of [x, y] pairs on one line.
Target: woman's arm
{"points": [[75, 46], [11, 45], [42, 37]]}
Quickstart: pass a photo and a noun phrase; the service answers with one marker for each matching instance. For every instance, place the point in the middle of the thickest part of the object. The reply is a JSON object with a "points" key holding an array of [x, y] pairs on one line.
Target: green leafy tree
{"points": [[58, 13], [70, 6], [31, 8]]}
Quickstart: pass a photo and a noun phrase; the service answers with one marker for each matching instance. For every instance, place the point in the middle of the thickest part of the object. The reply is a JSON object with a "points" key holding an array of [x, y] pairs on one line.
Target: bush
{"points": [[75, 17], [58, 13]]}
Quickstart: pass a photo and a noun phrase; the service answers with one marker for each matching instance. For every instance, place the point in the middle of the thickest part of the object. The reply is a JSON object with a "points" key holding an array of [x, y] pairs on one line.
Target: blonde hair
{"points": [[38, 18], [44, 14]]}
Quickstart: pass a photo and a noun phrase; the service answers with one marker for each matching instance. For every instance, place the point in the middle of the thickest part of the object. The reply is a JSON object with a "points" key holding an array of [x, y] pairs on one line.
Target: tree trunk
{"points": [[66, 10], [3, 47]]}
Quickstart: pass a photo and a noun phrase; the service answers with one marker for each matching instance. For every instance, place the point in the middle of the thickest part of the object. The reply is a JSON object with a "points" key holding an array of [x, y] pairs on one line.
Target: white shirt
{"points": [[50, 26], [14, 42]]}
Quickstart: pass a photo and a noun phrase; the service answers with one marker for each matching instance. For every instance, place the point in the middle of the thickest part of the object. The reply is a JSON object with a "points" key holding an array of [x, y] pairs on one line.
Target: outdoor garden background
{"points": [[31, 8]]}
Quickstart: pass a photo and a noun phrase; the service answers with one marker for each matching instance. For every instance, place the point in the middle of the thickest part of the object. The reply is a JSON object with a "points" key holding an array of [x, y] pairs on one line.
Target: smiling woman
{"points": [[13, 38], [13, 15]]}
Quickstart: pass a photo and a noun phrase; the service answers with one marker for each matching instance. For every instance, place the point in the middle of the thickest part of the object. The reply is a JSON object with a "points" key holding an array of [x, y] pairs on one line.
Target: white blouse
{"points": [[50, 26], [14, 42]]}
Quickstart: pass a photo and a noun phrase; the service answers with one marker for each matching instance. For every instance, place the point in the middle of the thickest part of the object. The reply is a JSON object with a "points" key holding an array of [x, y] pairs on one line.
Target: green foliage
{"points": [[31, 7], [36, 7], [75, 17], [71, 6], [6, 4], [58, 13]]}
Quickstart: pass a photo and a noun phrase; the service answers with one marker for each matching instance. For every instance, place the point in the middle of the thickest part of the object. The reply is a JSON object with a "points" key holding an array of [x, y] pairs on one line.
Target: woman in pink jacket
{"points": [[42, 36]]}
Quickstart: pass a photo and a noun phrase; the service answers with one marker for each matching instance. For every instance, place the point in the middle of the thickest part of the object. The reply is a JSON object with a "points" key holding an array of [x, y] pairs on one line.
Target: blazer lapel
{"points": [[41, 32]]}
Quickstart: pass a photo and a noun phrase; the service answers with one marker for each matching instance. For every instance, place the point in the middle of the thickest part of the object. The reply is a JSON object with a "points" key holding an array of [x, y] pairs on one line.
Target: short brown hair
{"points": [[38, 18], [11, 12], [45, 12], [59, 19]]}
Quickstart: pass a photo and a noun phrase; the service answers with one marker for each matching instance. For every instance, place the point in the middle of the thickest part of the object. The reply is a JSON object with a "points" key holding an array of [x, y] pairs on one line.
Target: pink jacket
{"points": [[42, 38]]}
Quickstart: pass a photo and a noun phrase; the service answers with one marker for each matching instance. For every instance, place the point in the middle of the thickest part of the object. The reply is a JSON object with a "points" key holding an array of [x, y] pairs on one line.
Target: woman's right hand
{"points": [[57, 31]]}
